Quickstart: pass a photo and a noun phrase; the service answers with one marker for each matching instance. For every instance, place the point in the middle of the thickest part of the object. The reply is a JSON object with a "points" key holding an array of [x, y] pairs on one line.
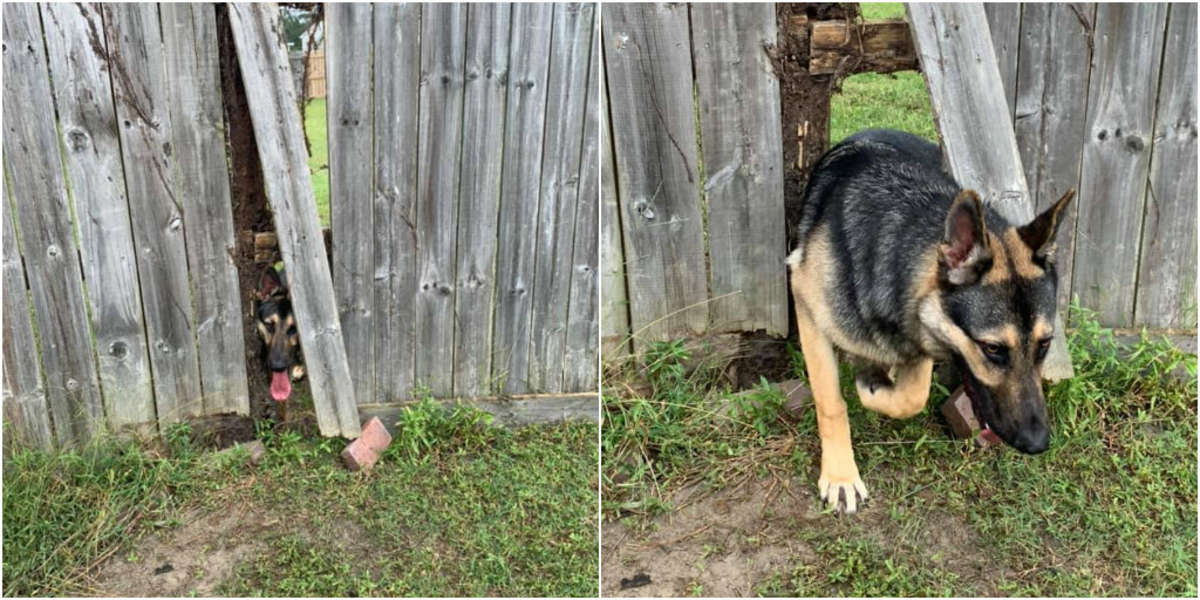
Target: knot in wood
{"points": [[77, 139], [118, 349], [52, 250], [644, 209]]}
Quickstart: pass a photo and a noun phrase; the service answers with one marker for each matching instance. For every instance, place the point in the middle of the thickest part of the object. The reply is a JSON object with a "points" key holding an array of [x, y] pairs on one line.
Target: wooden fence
{"points": [[464, 203], [693, 238]]}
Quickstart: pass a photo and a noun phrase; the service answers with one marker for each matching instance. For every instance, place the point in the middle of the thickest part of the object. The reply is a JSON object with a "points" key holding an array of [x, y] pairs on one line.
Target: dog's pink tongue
{"points": [[281, 385], [990, 435]]}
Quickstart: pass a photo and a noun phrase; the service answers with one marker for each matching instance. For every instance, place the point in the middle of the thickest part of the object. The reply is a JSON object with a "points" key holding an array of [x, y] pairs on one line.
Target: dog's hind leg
{"points": [[902, 395], [839, 473]]}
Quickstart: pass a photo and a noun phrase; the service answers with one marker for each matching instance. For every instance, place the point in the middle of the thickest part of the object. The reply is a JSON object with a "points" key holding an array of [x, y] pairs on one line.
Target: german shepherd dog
{"points": [[898, 266], [281, 342]]}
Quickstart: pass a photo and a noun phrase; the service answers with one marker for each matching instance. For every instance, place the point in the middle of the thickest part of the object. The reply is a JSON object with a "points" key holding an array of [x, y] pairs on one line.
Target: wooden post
{"points": [[271, 99], [954, 46]]}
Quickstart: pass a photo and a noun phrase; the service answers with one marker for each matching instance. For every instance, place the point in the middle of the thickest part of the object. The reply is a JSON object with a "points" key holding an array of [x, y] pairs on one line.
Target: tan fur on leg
{"points": [[907, 394]]}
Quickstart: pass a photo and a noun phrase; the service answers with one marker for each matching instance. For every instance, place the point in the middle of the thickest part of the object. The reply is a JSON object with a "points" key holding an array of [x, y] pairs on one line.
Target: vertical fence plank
{"points": [[31, 157], [614, 301], [580, 372], [1051, 114], [649, 67], [1166, 290], [443, 61], [396, 68], [524, 123], [1004, 21], [280, 141], [202, 184], [565, 105], [1116, 157], [740, 136], [479, 199], [350, 127], [157, 213], [88, 126], [24, 398]]}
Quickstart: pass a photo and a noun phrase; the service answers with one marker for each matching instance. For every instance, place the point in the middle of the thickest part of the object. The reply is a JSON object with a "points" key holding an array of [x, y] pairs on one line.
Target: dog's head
{"points": [[277, 326], [995, 310]]}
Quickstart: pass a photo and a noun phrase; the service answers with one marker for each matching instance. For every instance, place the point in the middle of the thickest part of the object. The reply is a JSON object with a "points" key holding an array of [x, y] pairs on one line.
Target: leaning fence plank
{"points": [[565, 105], [47, 240], [1166, 290], [277, 128], [25, 412], [443, 59], [202, 184], [1116, 157], [649, 64], [92, 156], [397, 60], [134, 43], [350, 121], [738, 95], [979, 145], [479, 199], [525, 117], [614, 303], [580, 367], [1051, 114], [1004, 21]]}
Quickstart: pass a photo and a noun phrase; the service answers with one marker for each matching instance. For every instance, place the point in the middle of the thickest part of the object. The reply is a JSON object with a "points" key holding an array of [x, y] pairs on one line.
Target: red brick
{"points": [[963, 423], [358, 456], [375, 435]]}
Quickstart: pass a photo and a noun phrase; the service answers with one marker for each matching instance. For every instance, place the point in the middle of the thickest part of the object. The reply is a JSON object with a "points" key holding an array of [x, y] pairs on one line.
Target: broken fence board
{"points": [[277, 128]]}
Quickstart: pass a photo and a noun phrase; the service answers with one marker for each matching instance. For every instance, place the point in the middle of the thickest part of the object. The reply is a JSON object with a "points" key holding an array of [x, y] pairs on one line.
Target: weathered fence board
{"points": [[565, 105], [738, 96], [47, 241], [443, 57], [580, 366], [1004, 21], [397, 31], [350, 123], [509, 411], [979, 146], [202, 184], [649, 69], [92, 157], [24, 397], [526, 111], [479, 199], [1116, 157], [143, 109], [1166, 288], [280, 141], [614, 306]]}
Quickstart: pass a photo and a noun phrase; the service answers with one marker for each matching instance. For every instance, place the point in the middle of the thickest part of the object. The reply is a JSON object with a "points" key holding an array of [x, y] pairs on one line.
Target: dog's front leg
{"points": [[839, 483]]}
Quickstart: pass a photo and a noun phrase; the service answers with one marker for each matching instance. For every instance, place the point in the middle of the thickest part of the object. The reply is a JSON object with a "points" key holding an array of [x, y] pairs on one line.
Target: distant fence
{"points": [[463, 206], [693, 236]]}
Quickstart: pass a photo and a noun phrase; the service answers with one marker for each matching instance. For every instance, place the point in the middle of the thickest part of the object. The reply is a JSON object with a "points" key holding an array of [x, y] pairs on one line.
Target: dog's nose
{"points": [[1033, 438]]}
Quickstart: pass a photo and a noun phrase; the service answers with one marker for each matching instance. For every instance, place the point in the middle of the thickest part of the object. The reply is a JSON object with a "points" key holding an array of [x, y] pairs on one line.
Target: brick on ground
{"points": [[362, 453]]}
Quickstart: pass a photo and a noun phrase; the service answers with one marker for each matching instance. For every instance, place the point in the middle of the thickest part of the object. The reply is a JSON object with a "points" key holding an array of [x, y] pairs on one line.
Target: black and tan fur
{"points": [[898, 267], [277, 325]]}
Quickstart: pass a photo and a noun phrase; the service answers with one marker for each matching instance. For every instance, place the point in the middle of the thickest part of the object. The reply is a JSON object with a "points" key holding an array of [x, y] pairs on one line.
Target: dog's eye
{"points": [[270, 327], [291, 330], [1042, 348], [994, 352]]}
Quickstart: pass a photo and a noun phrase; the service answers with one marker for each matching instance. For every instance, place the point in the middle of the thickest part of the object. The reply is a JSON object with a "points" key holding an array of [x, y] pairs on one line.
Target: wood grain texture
{"points": [[614, 302], [1116, 157], [529, 59], [26, 416], [1051, 115], [513, 411], [47, 239], [277, 129], [479, 199], [743, 158], [397, 54], [92, 158], [1004, 22], [980, 148], [581, 371], [350, 124], [649, 68], [201, 177], [566, 101], [143, 109], [443, 60], [1166, 289]]}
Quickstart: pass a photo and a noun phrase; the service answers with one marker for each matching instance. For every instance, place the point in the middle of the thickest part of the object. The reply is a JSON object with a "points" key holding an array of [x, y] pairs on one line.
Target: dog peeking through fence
{"points": [[281, 342]]}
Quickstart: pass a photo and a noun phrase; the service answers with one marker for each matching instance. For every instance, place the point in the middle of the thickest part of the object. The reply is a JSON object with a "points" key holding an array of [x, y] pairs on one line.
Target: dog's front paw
{"points": [[843, 494]]}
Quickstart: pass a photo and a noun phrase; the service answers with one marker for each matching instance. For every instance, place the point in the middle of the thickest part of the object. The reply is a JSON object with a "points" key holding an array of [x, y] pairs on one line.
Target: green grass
{"points": [[318, 160], [455, 507], [1109, 509]]}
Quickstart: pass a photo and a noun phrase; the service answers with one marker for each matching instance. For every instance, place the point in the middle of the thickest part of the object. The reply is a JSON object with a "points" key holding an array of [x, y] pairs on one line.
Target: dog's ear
{"points": [[964, 252], [269, 283], [1039, 233]]}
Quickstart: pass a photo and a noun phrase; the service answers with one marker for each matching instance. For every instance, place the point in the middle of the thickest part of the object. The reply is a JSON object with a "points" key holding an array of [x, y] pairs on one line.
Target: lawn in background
{"points": [[318, 160]]}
